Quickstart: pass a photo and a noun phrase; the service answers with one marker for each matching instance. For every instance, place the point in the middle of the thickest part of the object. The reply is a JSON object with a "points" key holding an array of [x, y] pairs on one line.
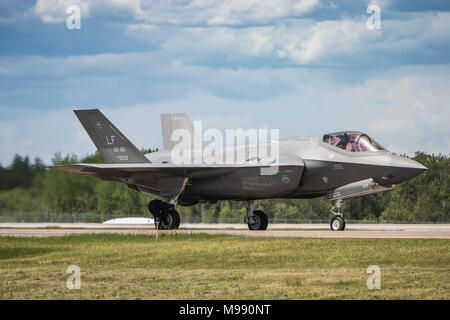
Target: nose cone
{"points": [[405, 169]]}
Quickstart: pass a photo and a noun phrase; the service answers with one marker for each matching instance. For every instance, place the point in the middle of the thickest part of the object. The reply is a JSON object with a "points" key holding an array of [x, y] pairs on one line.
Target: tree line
{"points": [[27, 187]]}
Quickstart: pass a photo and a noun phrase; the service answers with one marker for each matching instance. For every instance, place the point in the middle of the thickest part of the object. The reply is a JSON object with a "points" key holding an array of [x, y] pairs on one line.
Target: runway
{"points": [[362, 231]]}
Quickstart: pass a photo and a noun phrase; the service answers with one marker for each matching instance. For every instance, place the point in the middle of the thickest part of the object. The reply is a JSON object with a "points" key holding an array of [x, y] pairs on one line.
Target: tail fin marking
{"points": [[110, 142]]}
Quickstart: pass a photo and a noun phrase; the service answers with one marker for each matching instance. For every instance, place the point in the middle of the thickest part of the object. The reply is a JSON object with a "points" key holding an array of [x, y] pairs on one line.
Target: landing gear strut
{"points": [[338, 222], [256, 219], [168, 217]]}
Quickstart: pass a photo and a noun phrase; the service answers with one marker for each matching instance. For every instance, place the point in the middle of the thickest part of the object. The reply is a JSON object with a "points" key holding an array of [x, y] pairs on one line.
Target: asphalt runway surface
{"points": [[382, 231]]}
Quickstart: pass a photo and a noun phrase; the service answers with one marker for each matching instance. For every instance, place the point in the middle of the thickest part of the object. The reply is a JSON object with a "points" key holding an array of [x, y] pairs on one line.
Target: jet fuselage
{"points": [[322, 168]]}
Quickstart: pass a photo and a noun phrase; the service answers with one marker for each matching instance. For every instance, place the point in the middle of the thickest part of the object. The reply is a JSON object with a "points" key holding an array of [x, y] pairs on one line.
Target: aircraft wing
{"points": [[166, 180], [195, 170]]}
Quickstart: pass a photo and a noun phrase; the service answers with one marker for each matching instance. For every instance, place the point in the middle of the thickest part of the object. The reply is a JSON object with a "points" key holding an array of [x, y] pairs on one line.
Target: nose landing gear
{"points": [[338, 222]]}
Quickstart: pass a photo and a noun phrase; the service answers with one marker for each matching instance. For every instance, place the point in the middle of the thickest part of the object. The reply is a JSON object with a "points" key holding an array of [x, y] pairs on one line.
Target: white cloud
{"points": [[55, 11], [308, 42], [210, 12], [303, 41]]}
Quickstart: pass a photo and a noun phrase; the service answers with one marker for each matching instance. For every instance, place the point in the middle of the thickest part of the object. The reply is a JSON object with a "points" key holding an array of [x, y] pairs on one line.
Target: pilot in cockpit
{"points": [[352, 142]]}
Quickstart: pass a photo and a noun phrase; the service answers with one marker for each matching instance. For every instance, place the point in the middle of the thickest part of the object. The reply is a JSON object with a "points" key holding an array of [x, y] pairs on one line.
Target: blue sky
{"points": [[306, 67]]}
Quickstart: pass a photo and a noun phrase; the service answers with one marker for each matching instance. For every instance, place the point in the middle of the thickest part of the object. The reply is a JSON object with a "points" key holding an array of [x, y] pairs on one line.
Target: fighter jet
{"points": [[339, 166]]}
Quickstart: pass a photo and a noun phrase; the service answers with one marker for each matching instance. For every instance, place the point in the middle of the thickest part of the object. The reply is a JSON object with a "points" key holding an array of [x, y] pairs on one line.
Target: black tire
{"points": [[337, 224], [260, 221], [169, 220]]}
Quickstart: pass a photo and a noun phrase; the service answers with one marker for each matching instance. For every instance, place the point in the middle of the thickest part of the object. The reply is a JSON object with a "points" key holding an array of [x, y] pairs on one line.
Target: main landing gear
{"points": [[338, 222], [256, 219], [168, 217]]}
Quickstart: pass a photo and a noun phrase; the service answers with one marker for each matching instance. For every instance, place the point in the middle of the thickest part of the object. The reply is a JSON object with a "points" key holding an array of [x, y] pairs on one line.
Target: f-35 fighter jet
{"points": [[339, 166]]}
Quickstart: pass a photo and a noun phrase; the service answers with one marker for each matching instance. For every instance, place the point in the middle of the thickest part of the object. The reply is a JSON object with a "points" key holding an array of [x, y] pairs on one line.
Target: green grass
{"points": [[198, 266]]}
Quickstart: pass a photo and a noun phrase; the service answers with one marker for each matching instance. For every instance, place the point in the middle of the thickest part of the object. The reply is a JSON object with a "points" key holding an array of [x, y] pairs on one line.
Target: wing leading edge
{"points": [[171, 169]]}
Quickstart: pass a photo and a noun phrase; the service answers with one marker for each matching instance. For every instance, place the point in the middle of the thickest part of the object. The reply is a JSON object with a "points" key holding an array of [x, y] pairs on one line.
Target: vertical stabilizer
{"points": [[173, 121], [110, 142]]}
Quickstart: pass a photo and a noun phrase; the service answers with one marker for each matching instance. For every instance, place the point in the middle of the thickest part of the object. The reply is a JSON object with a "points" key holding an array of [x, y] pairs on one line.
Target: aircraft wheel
{"points": [[260, 221], [337, 224], [168, 216], [170, 219]]}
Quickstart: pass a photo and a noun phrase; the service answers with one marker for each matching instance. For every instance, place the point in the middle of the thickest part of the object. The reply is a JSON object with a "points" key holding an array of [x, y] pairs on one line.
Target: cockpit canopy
{"points": [[352, 141]]}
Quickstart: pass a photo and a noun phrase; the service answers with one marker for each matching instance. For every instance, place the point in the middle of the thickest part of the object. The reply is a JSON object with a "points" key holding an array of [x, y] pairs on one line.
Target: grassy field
{"points": [[222, 267]]}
